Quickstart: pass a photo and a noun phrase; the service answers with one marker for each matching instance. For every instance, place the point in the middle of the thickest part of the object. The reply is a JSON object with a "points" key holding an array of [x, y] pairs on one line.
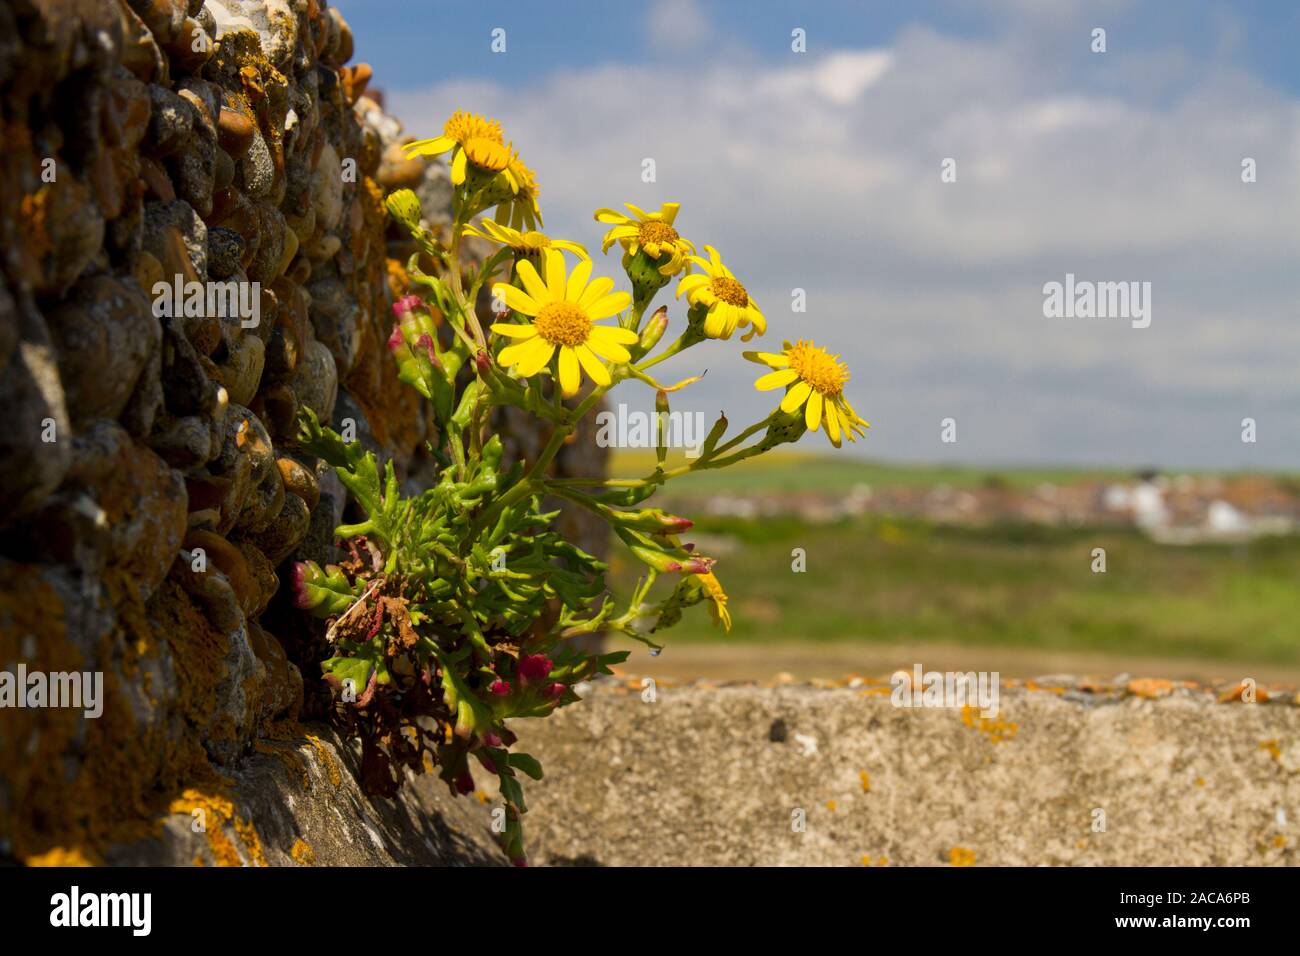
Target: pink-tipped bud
{"points": [[406, 305], [534, 667], [500, 687], [395, 341], [698, 566], [300, 596], [492, 739], [482, 362], [519, 861], [555, 690], [426, 342]]}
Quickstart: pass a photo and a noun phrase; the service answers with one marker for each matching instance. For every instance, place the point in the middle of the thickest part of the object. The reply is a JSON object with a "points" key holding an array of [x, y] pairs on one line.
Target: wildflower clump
{"points": [[453, 613]]}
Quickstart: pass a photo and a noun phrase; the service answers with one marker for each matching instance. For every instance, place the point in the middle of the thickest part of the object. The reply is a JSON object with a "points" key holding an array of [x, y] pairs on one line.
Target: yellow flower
{"points": [[475, 140], [564, 311], [520, 211], [717, 598], [457, 131], [651, 231], [523, 243], [818, 379], [727, 301]]}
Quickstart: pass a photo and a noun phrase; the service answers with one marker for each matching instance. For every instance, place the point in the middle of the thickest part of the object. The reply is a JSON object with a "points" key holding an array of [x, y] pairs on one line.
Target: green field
{"points": [[883, 580], [784, 471]]}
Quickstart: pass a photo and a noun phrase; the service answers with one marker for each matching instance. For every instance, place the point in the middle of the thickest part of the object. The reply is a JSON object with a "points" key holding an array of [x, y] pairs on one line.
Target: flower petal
{"points": [[578, 280], [611, 304], [535, 359], [770, 359], [555, 274], [597, 290], [458, 167], [777, 379], [570, 376], [594, 366], [607, 349], [668, 212], [514, 331], [832, 424], [610, 215], [691, 282], [795, 397], [533, 283], [516, 299], [429, 147], [813, 413], [614, 333]]}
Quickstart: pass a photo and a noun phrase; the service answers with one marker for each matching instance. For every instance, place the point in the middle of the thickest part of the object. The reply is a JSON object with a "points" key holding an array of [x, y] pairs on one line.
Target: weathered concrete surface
{"points": [[296, 802], [716, 775]]}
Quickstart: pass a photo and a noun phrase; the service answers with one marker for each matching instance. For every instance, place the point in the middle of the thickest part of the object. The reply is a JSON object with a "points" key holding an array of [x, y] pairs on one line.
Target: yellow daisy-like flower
{"points": [[651, 231], [717, 599], [818, 381], [528, 243], [474, 138], [726, 299], [564, 310], [521, 210]]}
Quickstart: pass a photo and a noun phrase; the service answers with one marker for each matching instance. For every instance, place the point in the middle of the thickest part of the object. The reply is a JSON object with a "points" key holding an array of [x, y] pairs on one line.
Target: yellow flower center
{"points": [[730, 291], [818, 368], [533, 241], [653, 230], [463, 127], [487, 154], [562, 323]]}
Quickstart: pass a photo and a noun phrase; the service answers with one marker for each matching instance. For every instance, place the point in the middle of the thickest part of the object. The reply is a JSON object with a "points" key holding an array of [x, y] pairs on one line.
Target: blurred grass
{"points": [[796, 471], [885, 580], [790, 471]]}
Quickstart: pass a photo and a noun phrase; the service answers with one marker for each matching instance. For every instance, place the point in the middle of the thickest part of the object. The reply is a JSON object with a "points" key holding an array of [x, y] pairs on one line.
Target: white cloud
{"points": [[677, 26], [823, 172]]}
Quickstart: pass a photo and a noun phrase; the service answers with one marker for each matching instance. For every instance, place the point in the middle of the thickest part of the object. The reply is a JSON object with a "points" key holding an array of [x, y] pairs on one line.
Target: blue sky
{"points": [[821, 171]]}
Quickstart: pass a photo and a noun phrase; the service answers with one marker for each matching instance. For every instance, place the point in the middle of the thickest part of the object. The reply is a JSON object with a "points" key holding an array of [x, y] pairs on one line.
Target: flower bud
{"points": [[555, 690], [396, 340], [406, 305], [500, 687], [534, 667], [654, 329], [404, 206]]}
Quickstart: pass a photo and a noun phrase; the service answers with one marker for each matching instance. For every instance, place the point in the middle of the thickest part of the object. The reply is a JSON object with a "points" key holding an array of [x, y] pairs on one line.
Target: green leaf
{"points": [[527, 763]]}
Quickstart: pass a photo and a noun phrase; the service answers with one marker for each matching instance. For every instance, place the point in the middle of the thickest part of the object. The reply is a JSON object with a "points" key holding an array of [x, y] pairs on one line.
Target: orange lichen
{"points": [[1151, 687], [960, 856], [302, 853], [1273, 749], [59, 856], [288, 756], [865, 779], [995, 728], [1238, 694], [327, 759]]}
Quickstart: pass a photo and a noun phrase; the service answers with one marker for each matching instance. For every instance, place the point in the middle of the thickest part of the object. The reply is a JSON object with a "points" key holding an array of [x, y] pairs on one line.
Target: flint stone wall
{"points": [[145, 140]]}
